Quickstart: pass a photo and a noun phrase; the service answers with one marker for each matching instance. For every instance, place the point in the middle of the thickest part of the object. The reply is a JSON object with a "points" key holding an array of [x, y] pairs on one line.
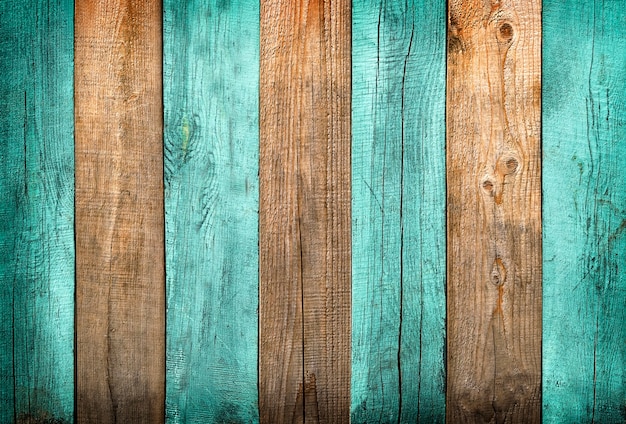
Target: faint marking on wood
{"points": [[120, 303], [305, 212], [36, 211], [494, 211], [211, 91], [584, 151], [398, 211]]}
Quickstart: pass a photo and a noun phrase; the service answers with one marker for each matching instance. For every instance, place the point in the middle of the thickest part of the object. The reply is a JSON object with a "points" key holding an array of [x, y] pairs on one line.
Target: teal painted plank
{"points": [[584, 212], [398, 211], [36, 211], [211, 79]]}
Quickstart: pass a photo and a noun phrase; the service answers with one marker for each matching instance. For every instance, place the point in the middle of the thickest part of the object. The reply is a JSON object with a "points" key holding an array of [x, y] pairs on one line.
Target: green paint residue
{"points": [[223, 235], [37, 252], [583, 207], [398, 207]]}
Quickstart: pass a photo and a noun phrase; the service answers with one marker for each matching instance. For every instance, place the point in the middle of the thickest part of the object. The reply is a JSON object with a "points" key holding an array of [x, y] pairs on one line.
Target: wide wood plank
{"points": [[398, 211], [494, 211], [584, 224], [211, 91], [304, 366], [36, 211], [120, 293]]}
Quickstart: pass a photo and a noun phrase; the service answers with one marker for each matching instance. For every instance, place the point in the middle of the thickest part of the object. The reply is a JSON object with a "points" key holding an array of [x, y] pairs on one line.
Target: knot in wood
{"points": [[505, 32], [507, 165], [498, 272]]}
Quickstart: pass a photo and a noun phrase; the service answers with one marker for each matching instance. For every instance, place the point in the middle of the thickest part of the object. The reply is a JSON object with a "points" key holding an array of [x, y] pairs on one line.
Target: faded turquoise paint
{"points": [[584, 211], [211, 91], [398, 211], [36, 211]]}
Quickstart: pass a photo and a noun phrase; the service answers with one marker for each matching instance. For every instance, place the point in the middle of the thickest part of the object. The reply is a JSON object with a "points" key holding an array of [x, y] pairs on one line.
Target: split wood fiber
{"points": [[494, 211], [584, 212], [120, 293], [304, 363], [36, 211], [211, 92], [398, 211]]}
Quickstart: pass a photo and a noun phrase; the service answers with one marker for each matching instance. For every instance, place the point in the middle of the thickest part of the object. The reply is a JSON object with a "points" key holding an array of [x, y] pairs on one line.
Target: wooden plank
{"points": [[494, 211], [120, 293], [211, 91], [584, 300], [398, 211], [36, 212], [304, 218]]}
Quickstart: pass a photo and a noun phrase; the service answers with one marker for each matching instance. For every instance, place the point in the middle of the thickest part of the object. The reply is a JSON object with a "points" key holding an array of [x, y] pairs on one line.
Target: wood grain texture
{"points": [[211, 108], [120, 293], [36, 211], [398, 211], [584, 215], [494, 211], [304, 366]]}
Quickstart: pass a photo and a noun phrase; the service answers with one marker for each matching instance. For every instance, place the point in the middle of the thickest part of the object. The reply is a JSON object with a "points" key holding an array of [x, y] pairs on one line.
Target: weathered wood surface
{"points": [[36, 211], [211, 91], [494, 211], [584, 150], [398, 211], [120, 293], [304, 218]]}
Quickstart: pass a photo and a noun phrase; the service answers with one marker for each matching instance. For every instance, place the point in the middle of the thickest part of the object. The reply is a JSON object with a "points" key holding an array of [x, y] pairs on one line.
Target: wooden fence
{"points": [[227, 211]]}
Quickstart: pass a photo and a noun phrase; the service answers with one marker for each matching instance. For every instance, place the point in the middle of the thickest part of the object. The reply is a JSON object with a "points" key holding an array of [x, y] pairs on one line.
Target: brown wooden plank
{"points": [[494, 211], [120, 313], [304, 364]]}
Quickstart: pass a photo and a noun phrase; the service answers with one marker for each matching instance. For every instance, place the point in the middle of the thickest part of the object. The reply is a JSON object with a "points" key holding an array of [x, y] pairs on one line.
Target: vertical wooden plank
{"points": [[119, 212], [211, 91], [36, 211], [398, 211], [322, 100], [584, 218], [305, 212], [494, 211]]}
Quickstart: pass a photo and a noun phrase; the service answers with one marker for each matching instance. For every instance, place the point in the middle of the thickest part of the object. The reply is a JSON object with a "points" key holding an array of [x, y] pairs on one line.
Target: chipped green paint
{"points": [[584, 211], [36, 211], [398, 211], [210, 81]]}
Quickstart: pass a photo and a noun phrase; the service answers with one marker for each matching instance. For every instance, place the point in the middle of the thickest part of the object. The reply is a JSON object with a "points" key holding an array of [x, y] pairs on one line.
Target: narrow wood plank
{"points": [[36, 211], [120, 293], [211, 108], [494, 211], [305, 212], [584, 134], [398, 211]]}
